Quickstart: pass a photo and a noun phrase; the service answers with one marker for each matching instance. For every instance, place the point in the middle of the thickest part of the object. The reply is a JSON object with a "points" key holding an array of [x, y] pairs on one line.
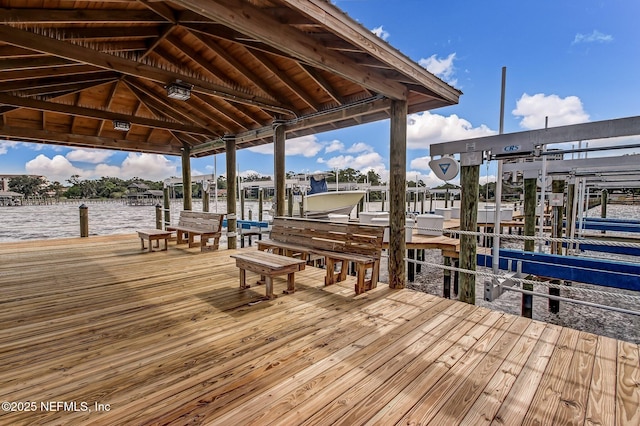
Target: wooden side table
{"points": [[154, 235]]}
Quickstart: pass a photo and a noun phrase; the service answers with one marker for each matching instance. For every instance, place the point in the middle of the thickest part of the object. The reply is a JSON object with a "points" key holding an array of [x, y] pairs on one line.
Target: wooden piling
{"points": [[232, 220], [279, 167], [530, 202], [241, 191], [557, 187], [186, 177], [571, 193], [260, 201], [397, 180], [167, 207], [289, 202], [205, 198], [84, 221], [158, 216], [470, 180]]}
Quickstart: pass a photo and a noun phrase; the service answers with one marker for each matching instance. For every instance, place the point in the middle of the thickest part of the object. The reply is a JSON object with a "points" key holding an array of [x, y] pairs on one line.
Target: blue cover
{"points": [[317, 186]]}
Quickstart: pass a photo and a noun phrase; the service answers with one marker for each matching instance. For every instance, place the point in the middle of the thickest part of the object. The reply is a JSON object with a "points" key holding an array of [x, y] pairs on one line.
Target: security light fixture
{"points": [[179, 90], [121, 125]]}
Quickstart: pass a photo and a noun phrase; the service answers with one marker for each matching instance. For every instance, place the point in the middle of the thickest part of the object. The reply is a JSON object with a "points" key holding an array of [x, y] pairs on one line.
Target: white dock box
{"points": [[434, 221]]}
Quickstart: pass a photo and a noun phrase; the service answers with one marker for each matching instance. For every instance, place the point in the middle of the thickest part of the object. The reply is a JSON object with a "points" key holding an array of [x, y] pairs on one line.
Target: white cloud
{"points": [[360, 147], [147, 166], [420, 163], [595, 37], [57, 168], [94, 156], [334, 145], [561, 111], [5, 145], [307, 146], [426, 128], [441, 67], [380, 32], [106, 170]]}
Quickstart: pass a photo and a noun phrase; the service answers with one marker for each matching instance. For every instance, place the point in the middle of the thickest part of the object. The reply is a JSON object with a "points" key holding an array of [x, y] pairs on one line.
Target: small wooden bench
{"points": [[268, 265], [154, 235], [204, 225], [339, 244]]}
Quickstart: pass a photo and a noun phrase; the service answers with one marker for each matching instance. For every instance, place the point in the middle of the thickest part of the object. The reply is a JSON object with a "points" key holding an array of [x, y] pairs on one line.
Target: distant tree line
{"points": [[105, 187]]}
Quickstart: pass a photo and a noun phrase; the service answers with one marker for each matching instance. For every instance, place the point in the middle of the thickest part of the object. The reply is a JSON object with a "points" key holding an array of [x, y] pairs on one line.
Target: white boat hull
{"points": [[319, 206]]}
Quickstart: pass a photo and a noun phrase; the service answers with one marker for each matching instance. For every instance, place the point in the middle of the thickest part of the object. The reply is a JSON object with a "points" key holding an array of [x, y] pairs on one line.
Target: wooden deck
{"points": [[169, 338]]}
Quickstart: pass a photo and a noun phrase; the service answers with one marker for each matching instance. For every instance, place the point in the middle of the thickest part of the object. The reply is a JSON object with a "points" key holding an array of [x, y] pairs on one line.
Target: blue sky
{"points": [[573, 61]]}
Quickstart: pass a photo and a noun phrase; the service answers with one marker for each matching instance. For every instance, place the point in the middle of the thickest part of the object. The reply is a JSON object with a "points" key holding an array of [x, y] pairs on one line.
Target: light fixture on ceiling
{"points": [[179, 90], [124, 126]]}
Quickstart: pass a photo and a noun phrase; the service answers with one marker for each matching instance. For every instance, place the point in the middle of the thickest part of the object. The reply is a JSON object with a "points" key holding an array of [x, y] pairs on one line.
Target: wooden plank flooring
{"points": [[169, 338]]}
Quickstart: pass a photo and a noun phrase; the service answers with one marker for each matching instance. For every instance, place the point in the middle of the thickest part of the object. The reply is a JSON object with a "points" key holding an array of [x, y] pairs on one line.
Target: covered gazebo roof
{"points": [[97, 73]]}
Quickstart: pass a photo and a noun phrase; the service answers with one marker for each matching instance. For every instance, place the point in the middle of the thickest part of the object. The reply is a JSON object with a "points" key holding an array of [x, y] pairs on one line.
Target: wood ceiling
{"points": [[69, 69]]}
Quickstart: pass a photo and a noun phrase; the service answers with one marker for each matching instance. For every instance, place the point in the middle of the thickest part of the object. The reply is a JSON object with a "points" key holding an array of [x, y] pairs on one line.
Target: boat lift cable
{"points": [[574, 241], [621, 296]]}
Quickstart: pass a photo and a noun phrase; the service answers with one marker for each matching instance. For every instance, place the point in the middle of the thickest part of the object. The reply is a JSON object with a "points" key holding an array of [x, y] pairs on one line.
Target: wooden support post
{"points": [[456, 276], [279, 167], [446, 291], [422, 195], [604, 199], [302, 204], [446, 199], [571, 194], [397, 179], [431, 202], [241, 191], [205, 198], [186, 177], [158, 216], [232, 221], [84, 221], [470, 181], [260, 201], [530, 201], [384, 196], [557, 187], [289, 202], [411, 265], [167, 207]]}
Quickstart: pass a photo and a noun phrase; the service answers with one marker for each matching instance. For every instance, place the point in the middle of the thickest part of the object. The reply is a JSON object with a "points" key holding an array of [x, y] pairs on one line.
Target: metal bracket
{"points": [[495, 287]]}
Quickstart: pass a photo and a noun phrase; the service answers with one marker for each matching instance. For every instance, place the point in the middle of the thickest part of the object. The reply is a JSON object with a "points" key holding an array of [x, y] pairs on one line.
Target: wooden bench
{"points": [[268, 266], [339, 244], [154, 235], [204, 225]]}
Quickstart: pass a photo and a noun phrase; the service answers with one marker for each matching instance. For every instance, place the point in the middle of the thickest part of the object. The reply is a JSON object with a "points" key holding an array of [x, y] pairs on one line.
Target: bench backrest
{"points": [[339, 237], [205, 221]]}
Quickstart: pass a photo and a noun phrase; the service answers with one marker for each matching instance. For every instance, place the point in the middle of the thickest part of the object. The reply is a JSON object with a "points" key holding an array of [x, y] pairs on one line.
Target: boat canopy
{"points": [[317, 186]]}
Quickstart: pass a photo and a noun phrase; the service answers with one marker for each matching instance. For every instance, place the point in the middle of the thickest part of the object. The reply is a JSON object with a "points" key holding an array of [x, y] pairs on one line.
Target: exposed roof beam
{"points": [[85, 141], [239, 67], [85, 55], [98, 114], [318, 78], [252, 21], [346, 28], [292, 85], [56, 16]]}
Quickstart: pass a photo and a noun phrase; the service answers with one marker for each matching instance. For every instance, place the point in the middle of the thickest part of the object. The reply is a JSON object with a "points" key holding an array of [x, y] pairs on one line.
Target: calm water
{"points": [[63, 220]]}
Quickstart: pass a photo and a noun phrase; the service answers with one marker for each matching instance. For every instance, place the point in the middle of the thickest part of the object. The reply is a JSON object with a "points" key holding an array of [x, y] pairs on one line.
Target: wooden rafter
{"points": [[260, 25], [85, 55]]}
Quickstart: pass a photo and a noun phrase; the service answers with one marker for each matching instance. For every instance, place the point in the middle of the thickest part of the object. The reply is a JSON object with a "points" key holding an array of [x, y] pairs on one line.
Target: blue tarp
{"points": [[317, 186]]}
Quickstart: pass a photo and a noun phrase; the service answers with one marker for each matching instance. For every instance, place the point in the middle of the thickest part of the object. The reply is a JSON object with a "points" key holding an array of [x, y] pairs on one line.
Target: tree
{"points": [[27, 185]]}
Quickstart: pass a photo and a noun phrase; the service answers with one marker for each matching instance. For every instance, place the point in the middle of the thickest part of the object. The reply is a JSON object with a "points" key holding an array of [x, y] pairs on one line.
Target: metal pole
{"points": [[496, 227]]}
